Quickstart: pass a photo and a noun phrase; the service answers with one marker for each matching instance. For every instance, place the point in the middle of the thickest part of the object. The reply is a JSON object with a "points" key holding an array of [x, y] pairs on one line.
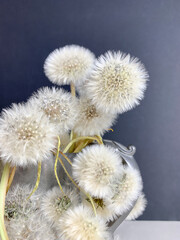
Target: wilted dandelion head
{"points": [[80, 223], [117, 83], [95, 168], [32, 228], [17, 206], [139, 208], [26, 135], [92, 121], [55, 203], [126, 191], [58, 105], [68, 64]]}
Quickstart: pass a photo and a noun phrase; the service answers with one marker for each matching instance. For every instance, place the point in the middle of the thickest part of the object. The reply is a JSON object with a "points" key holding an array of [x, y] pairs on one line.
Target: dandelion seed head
{"points": [[26, 135], [126, 191], [95, 168], [58, 105], [34, 227], [17, 206], [139, 208], [69, 64], [92, 121], [80, 223], [55, 203], [117, 83]]}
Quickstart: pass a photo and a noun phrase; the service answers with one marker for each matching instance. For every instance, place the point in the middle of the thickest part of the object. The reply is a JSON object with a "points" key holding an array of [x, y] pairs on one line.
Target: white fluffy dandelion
{"points": [[69, 64], [23, 218], [80, 223], [127, 190], [117, 83], [95, 168], [138, 209], [92, 121], [58, 105], [17, 206], [32, 228], [55, 203], [26, 135]]}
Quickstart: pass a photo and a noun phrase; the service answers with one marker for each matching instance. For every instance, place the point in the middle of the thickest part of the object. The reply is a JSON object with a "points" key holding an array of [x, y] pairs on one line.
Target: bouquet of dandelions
{"points": [[54, 123]]}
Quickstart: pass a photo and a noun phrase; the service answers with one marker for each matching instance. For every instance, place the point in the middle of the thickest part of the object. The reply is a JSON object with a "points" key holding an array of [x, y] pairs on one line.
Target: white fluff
{"points": [[69, 64], [92, 121], [58, 105], [138, 209], [81, 224], [26, 135], [126, 191], [95, 168], [102, 207], [55, 203], [17, 206], [32, 228], [117, 83]]}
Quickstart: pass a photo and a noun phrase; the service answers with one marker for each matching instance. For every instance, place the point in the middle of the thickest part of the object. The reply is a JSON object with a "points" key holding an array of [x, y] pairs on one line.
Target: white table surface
{"points": [[148, 230]]}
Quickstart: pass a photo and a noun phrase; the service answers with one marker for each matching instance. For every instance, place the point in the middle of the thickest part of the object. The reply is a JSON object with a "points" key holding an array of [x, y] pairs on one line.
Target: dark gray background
{"points": [[150, 30]]}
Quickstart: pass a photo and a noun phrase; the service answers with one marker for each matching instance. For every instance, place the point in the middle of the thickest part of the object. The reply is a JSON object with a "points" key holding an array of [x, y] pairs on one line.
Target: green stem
{"points": [[3, 186]]}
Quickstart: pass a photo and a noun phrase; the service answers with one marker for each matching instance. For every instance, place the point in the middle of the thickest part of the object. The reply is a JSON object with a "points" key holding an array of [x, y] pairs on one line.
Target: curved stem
{"points": [[57, 178], [37, 181], [55, 166], [75, 184], [64, 155], [82, 138], [100, 139], [3, 186], [11, 177], [82, 145]]}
